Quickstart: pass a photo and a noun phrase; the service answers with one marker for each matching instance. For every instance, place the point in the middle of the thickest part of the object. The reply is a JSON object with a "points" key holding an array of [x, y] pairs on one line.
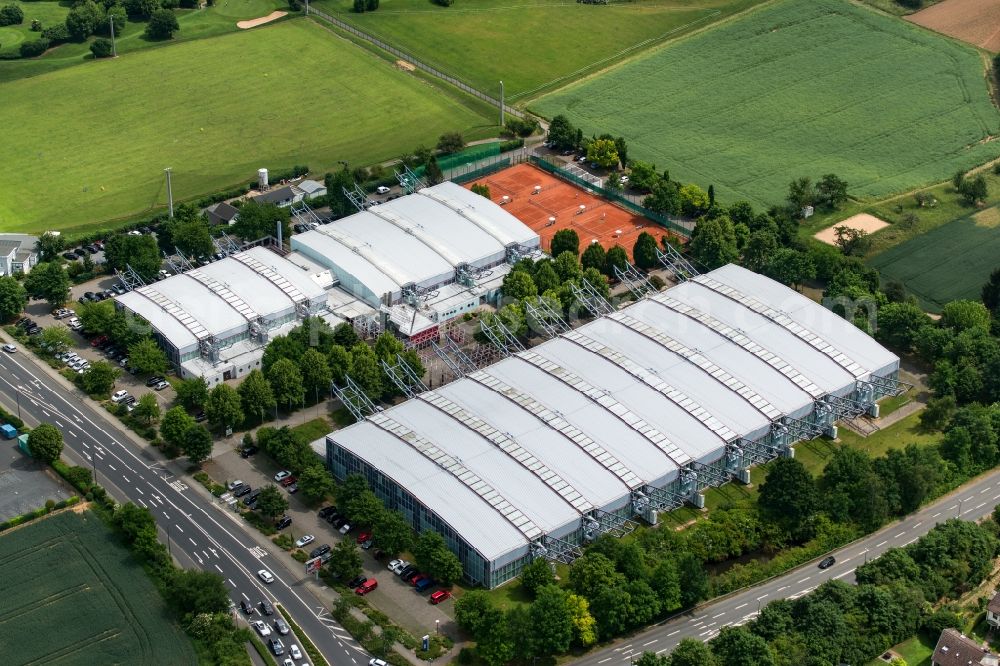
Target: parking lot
{"points": [[409, 608], [25, 484]]}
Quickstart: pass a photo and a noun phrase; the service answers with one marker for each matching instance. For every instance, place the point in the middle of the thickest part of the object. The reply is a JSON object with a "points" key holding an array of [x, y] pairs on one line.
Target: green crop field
{"points": [[71, 595], [528, 44], [797, 88], [949, 262], [86, 144]]}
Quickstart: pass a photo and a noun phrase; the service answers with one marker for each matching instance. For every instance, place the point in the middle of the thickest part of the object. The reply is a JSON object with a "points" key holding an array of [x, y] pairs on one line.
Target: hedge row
{"points": [[49, 507], [307, 645]]}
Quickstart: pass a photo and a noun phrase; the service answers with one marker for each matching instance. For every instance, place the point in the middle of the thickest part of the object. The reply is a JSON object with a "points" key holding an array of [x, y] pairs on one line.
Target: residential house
{"points": [[993, 611], [311, 189], [17, 253], [956, 649], [283, 196], [222, 213]]}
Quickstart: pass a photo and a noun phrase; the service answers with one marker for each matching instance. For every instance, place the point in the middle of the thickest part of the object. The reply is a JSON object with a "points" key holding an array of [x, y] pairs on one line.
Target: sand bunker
{"points": [[861, 222], [253, 23]]}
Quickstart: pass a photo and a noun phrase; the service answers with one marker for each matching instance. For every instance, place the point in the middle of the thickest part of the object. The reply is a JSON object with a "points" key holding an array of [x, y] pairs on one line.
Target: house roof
{"points": [[223, 211], [311, 186], [276, 195], [994, 605], [8, 246], [955, 649]]}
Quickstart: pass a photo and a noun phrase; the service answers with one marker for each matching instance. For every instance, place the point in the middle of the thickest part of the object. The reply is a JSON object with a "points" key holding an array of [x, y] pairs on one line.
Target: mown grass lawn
{"points": [[529, 44], [12, 36], [87, 144], [797, 88], [313, 430]]}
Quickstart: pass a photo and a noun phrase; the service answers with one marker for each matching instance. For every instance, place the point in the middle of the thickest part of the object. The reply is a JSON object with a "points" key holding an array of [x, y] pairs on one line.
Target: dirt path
{"points": [[253, 23]]}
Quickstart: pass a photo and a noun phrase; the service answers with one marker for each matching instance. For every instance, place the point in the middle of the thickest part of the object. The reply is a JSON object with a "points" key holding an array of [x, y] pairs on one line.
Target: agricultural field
{"points": [[974, 21], [73, 596], [531, 45], [194, 24], [797, 88], [212, 109], [949, 262]]}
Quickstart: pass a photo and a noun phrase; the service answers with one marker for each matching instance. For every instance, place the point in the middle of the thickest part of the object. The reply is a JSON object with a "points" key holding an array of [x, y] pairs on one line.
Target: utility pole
{"points": [[307, 14], [501, 105], [170, 193], [111, 22]]}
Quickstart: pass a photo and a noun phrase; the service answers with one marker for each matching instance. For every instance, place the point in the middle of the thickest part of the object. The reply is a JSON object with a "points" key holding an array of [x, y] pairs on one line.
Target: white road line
{"points": [[676, 631], [705, 632], [112, 467], [650, 642], [43, 411], [178, 528], [838, 577], [918, 524], [231, 582], [72, 433], [165, 515], [699, 622], [244, 595], [219, 568], [697, 618], [761, 597], [60, 424], [140, 490], [845, 560], [85, 445], [783, 587], [139, 500], [719, 615], [125, 479], [900, 534], [979, 506], [741, 606], [711, 624], [910, 541], [193, 542], [953, 506], [996, 497], [662, 650], [880, 544], [984, 490], [939, 513], [604, 660]]}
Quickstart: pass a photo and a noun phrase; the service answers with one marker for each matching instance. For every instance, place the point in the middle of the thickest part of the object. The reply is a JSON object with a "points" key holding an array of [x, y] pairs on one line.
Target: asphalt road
{"points": [[199, 534], [974, 500]]}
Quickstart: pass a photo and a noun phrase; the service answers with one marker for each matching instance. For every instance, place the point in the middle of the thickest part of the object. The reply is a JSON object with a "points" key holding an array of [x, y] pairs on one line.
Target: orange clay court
{"points": [[600, 219]]}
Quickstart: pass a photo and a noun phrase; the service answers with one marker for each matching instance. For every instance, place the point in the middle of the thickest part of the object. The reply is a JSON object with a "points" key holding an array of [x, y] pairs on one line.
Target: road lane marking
{"points": [[60, 424], [231, 582], [845, 560], [984, 490], [843, 574], [125, 479], [71, 433], [953, 506], [799, 582], [675, 631], [44, 412], [880, 544], [178, 528], [761, 597], [917, 524], [139, 500], [708, 631], [783, 587], [697, 618], [245, 596], [910, 541], [193, 542], [650, 642], [85, 445], [741, 606], [719, 615], [112, 467], [140, 490], [996, 497], [979, 506], [219, 568], [939, 513]]}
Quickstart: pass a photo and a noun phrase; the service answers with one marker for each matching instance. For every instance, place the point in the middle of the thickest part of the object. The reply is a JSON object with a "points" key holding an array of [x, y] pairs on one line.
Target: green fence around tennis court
{"points": [[610, 195], [463, 157]]}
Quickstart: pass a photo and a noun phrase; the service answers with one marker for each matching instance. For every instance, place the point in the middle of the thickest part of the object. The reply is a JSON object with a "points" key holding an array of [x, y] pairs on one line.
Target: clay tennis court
{"points": [[974, 21], [599, 220]]}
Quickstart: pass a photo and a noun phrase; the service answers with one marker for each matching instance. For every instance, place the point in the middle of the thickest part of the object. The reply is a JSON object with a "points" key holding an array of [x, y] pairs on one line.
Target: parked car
{"points": [[345, 528], [376, 662], [288, 480], [283, 474], [304, 540], [439, 596], [382, 189], [357, 582], [199, 417], [367, 543], [364, 536], [366, 587], [9, 348], [247, 451], [325, 512], [154, 380], [338, 522], [242, 490], [118, 396], [408, 570], [265, 576], [319, 550], [424, 584], [397, 566], [292, 489], [294, 650], [161, 385], [233, 485], [283, 522]]}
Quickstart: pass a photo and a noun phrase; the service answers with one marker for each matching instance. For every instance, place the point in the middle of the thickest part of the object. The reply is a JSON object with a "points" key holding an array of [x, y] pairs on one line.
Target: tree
{"points": [[900, 323], [446, 567], [426, 548], [286, 383], [316, 375], [666, 582], [567, 266], [644, 251], [622, 148], [13, 298], [603, 152], [665, 198], [432, 172], [691, 652], [49, 245], [258, 220], [788, 495], [594, 257], [11, 15], [592, 572], [56, 338], [760, 247], [693, 200], [175, 424], [973, 190], [102, 47], [963, 315], [99, 378], [345, 559], [223, 407], [366, 372], [990, 293], [800, 195], [394, 532], [140, 252], [565, 240], [562, 133], [255, 395], [451, 142], [141, 8], [192, 393], [272, 502], [537, 574], [147, 358], [197, 444], [552, 622], [192, 236], [831, 191], [481, 189], [83, 19], [791, 267], [192, 591], [147, 408], [737, 646], [162, 25], [97, 318], [48, 281], [476, 614], [691, 571], [45, 443], [611, 607], [545, 277], [616, 258], [713, 243], [315, 483], [518, 285]]}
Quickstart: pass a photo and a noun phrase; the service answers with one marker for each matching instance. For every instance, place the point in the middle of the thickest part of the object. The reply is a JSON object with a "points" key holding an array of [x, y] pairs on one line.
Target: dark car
{"points": [[339, 522], [199, 417], [247, 451], [251, 499], [326, 511], [319, 550], [827, 562], [241, 490], [246, 607], [407, 571], [79, 252], [69, 256], [357, 582], [408, 577], [283, 522], [266, 608], [153, 381]]}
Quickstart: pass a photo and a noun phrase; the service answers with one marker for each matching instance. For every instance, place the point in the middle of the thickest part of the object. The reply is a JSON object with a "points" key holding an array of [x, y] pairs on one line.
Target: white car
{"points": [[232, 485], [382, 189], [265, 576], [392, 565], [400, 565], [345, 528], [287, 662], [303, 540], [9, 348], [118, 396], [623, 180], [294, 650], [283, 474], [261, 628], [376, 662]]}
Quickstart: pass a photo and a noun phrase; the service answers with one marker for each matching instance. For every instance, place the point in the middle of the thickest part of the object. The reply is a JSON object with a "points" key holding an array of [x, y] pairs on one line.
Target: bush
{"points": [[162, 25], [513, 144], [101, 47], [11, 15], [444, 3], [35, 48]]}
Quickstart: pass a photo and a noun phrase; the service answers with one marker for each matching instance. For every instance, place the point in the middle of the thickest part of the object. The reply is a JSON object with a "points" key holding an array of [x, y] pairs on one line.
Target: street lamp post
{"points": [[111, 21], [960, 507], [437, 626]]}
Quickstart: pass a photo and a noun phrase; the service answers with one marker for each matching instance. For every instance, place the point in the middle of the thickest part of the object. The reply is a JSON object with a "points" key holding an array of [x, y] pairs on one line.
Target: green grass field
{"points": [[529, 44], [214, 110], [797, 88], [194, 24], [950, 262], [71, 595]]}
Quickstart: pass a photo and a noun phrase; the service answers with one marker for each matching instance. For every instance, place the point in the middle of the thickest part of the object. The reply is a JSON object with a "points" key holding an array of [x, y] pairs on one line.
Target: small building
{"points": [[222, 214], [283, 196], [956, 649], [311, 189], [993, 611], [17, 253]]}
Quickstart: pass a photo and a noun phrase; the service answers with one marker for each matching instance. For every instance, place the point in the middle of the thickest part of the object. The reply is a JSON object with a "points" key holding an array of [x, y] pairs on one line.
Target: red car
{"points": [[440, 596], [416, 579], [99, 340], [288, 480], [366, 587], [364, 536]]}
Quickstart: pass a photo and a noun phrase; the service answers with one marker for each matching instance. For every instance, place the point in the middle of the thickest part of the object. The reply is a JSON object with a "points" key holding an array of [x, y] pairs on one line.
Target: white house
{"points": [[311, 189], [17, 253]]}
